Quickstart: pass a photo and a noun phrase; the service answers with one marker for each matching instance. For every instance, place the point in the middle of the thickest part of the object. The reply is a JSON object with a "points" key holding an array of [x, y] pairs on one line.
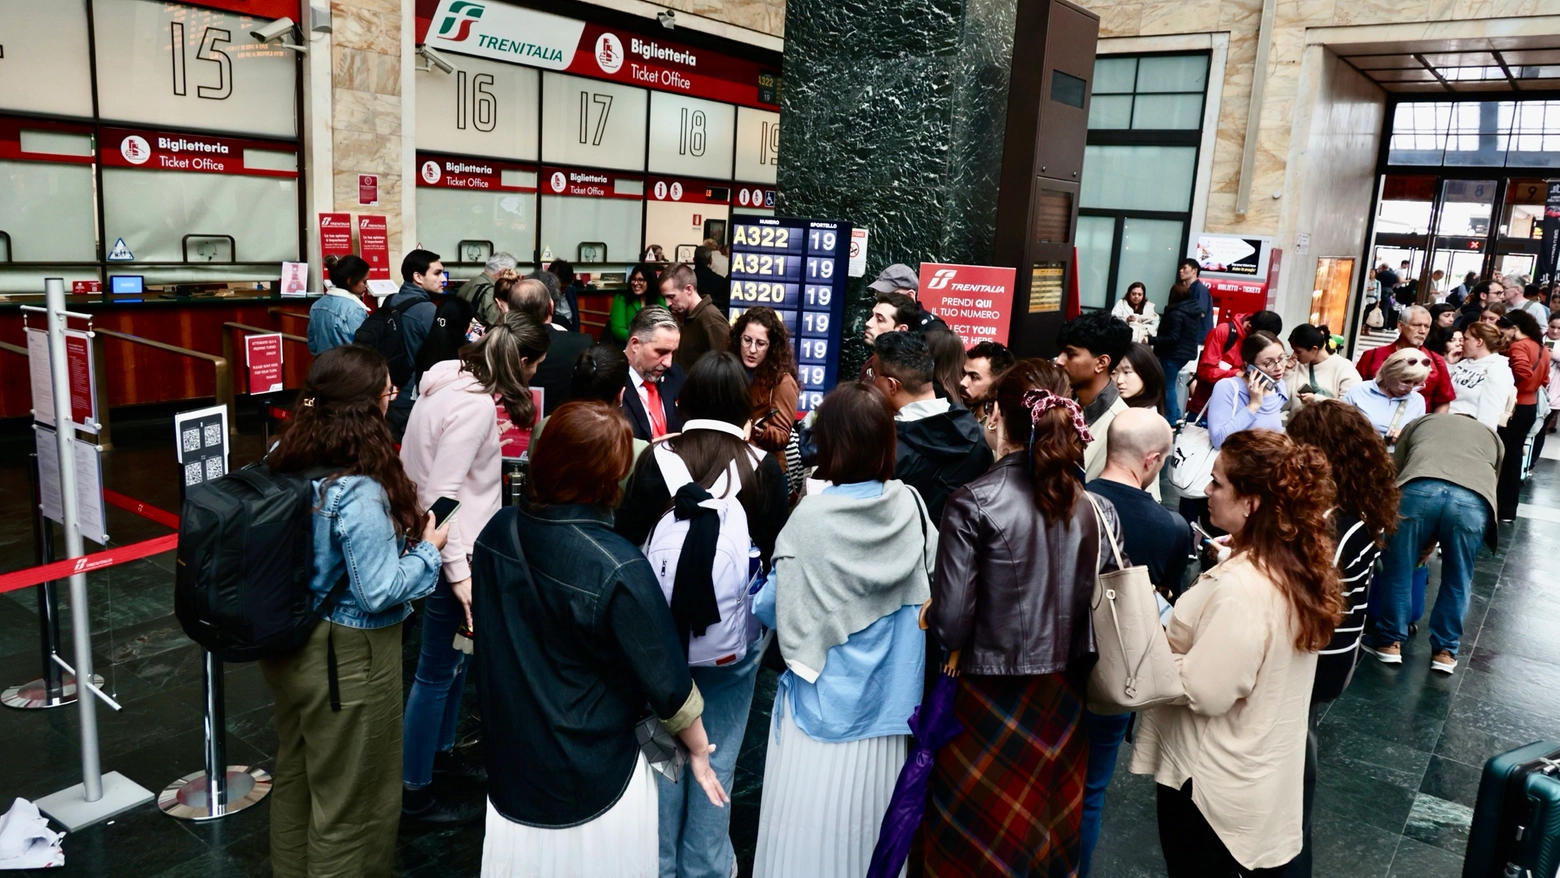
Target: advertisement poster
{"points": [[1229, 254], [263, 356], [374, 241], [335, 234], [295, 279], [976, 301]]}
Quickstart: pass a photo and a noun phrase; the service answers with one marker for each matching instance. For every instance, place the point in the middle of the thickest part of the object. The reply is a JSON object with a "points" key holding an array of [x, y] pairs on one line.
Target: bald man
{"points": [[1137, 445]]}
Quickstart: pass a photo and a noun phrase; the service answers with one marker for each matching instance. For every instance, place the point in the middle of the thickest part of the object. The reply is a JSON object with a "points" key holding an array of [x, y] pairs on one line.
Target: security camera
{"points": [[436, 59], [668, 19], [274, 31]]}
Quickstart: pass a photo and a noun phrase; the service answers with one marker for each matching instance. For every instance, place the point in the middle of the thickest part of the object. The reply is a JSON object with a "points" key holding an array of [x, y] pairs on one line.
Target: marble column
{"points": [[892, 117], [369, 119]]}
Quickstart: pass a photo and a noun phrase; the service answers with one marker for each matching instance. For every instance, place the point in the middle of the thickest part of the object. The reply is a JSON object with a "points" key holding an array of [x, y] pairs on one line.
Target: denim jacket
{"points": [[333, 320], [353, 532]]}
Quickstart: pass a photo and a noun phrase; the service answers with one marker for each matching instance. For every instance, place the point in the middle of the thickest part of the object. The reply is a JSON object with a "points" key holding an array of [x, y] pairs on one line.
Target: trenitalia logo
{"points": [[462, 14], [940, 279]]}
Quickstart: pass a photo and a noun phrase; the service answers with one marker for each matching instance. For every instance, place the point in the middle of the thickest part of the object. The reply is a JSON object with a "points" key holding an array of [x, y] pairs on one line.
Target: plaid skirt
{"points": [[1006, 795]]}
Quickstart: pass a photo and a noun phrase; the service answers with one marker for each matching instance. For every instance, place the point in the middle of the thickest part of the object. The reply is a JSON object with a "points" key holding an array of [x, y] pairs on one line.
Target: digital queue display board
{"points": [[797, 267]]}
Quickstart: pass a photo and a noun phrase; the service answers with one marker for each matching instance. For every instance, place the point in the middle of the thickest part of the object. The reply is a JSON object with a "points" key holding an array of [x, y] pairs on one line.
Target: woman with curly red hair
{"points": [[1230, 759], [760, 339]]}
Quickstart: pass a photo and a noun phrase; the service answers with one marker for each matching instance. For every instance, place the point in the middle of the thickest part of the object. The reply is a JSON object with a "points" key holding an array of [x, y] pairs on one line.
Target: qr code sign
{"points": [[191, 440], [192, 472], [213, 468], [213, 435]]}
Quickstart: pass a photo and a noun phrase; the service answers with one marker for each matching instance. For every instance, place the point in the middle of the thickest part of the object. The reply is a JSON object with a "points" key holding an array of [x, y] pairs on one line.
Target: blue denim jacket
{"points": [[333, 320], [353, 532]]}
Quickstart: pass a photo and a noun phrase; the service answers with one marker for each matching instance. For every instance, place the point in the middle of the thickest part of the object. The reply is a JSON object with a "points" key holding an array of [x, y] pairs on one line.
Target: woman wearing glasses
{"points": [[1389, 400], [1482, 377], [1254, 400], [643, 289], [760, 340]]}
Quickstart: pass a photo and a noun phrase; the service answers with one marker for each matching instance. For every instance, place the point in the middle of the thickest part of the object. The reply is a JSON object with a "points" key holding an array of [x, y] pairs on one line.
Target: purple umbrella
{"points": [[932, 725]]}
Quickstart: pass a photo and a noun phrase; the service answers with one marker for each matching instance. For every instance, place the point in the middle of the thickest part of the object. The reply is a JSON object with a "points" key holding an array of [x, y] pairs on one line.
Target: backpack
{"points": [[384, 331], [244, 563], [736, 562]]}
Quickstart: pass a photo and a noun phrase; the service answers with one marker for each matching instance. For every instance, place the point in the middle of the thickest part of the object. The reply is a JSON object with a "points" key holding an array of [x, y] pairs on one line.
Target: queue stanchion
{"points": [[218, 789], [54, 688]]}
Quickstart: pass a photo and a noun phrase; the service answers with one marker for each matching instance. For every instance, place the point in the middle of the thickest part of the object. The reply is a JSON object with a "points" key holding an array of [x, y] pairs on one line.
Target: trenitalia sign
{"points": [[503, 32]]}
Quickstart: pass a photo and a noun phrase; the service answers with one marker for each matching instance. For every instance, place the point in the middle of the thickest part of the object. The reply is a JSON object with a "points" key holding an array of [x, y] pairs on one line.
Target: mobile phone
{"points": [[1201, 534], [1260, 377], [765, 419], [442, 509]]}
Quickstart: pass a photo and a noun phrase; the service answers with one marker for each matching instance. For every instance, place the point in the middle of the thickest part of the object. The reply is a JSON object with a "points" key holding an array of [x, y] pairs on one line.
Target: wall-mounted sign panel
{"points": [[538, 39], [588, 122], [163, 63], [484, 108], [758, 145], [197, 153], [448, 172], [591, 184], [751, 197], [691, 136], [48, 66]]}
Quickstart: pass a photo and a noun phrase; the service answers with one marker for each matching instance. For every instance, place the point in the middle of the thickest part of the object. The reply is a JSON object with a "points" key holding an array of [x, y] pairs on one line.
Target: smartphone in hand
{"points": [[442, 509]]}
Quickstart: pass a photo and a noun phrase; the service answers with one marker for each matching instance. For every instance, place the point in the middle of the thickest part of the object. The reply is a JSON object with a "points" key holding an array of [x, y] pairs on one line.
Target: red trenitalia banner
{"points": [[11, 140], [257, 8], [686, 191], [374, 241], [591, 184], [196, 153], [520, 35], [448, 172], [976, 301], [335, 234]]}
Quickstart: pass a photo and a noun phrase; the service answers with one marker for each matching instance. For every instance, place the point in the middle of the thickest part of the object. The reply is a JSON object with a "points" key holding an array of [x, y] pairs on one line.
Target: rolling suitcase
{"points": [[1516, 825]]}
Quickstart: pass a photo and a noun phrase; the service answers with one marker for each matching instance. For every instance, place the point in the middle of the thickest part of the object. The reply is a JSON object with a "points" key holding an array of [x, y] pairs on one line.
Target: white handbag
{"points": [[1135, 670], [1192, 457]]}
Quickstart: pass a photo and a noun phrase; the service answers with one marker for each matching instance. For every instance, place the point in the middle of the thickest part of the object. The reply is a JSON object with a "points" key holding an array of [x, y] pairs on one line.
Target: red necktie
{"points": [[655, 410]]}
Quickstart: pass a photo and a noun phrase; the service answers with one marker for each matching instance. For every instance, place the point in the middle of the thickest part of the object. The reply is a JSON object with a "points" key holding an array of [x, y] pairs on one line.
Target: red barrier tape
{"points": [[152, 513], [87, 563]]}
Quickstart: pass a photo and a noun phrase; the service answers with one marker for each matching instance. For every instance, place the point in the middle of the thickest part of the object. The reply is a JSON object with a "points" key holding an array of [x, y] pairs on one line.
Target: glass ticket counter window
{"points": [[469, 209], [591, 218], [680, 214]]}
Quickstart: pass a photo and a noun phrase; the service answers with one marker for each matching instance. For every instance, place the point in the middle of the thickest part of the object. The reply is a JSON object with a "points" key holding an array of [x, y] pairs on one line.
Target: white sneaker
{"points": [[1443, 662], [1391, 654]]}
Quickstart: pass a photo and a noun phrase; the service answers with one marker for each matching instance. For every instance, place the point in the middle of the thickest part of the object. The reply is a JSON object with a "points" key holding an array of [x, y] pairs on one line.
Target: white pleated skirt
{"points": [[823, 803], [621, 842]]}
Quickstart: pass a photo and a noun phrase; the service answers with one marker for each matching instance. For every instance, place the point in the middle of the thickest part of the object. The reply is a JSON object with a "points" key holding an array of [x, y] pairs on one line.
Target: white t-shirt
{"points": [[1484, 387]]}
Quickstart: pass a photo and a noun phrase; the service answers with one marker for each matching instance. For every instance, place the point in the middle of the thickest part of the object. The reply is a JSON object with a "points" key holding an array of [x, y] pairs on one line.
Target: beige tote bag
{"points": [[1136, 670]]}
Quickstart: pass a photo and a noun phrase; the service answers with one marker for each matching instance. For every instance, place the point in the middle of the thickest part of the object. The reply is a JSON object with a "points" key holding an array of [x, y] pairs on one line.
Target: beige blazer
{"points": [[1094, 452], [1240, 734]]}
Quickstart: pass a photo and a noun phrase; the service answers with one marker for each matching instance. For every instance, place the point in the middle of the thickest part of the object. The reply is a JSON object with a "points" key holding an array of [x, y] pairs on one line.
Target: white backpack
{"points": [[736, 562]]}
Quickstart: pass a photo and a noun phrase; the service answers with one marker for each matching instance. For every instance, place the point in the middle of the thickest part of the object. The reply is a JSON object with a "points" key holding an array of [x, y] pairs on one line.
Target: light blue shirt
{"points": [[333, 320], [1232, 393], [871, 683], [1381, 409]]}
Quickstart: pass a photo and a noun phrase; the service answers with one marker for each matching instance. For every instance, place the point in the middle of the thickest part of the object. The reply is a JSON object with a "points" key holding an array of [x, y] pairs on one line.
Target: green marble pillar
{"points": [[893, 119]]}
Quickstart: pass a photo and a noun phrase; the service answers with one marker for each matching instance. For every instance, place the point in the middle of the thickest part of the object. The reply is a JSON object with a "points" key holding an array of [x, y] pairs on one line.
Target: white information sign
{"points": [[758, 145], [484, 108], [47, 64], [167, 64], [691, 136], [857, 267], [593, 123], [90, 512], [505, 32], [200, 444]]}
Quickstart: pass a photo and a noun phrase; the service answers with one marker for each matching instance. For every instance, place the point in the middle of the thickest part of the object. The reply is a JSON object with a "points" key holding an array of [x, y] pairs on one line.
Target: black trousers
{"points": [[1514, 435], [1192, 849]]}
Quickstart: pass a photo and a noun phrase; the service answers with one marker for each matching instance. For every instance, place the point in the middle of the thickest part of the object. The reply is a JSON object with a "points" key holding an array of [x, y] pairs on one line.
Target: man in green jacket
{"points": [[479, 290]]}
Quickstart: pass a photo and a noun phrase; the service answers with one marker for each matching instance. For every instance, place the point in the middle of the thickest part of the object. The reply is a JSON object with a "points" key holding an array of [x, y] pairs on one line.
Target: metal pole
{"points": [[216, 739], [48, 601], [81, 621]]}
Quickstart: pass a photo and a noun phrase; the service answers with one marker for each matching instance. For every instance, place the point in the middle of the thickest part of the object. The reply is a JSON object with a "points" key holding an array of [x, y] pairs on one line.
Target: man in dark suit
{"points": [[650, 398], [532, 298]]}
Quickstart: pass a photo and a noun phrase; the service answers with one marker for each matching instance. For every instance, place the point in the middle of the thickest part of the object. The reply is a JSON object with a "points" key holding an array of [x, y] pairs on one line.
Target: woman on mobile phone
{"points": [[760, 340], [452, 450], [1254, 400]]}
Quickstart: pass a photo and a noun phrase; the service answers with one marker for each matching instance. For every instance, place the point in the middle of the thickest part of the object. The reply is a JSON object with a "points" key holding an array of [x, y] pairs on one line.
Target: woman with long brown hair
{"points": [[759, 339], [1230, 761], [338, 699], [1017, 560]]}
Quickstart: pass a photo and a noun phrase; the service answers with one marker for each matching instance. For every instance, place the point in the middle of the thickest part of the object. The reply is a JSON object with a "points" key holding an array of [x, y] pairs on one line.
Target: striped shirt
{"points": [[1355, 556]]}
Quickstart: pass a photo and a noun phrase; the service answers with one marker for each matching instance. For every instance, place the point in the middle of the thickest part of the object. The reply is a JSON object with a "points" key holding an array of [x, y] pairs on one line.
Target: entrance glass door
{"points": [[1521, 227]]}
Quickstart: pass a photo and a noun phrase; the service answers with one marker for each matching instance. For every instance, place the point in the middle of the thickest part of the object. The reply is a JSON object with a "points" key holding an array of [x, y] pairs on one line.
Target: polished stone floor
{"points": [[1400, 751]]}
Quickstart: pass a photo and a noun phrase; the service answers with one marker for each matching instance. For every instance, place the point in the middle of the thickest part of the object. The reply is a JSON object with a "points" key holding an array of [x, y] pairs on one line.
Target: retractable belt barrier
{"points": [[31, 576]]}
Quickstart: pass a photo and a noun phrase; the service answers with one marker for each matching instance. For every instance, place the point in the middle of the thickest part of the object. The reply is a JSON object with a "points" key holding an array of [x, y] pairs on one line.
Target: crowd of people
{"points": [[947, 514]]}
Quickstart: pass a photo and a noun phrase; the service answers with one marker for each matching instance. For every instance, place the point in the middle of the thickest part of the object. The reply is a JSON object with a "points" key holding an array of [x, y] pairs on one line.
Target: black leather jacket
{"points": [[1010, 591]]}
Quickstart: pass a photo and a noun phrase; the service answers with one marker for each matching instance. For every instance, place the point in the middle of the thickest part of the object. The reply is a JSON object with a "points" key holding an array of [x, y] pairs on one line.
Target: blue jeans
{"points": [[1417, 605], [1431, 509], [695, 835], [1172, 401], [1105, 736], [433, 708]]}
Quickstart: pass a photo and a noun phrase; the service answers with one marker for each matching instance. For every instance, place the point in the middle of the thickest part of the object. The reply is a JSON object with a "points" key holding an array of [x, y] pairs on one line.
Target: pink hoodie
{"points": [[451, 450]]}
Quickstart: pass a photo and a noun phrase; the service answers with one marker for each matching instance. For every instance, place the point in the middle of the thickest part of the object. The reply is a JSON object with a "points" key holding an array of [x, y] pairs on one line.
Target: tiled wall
{"points": [[366, 107]]}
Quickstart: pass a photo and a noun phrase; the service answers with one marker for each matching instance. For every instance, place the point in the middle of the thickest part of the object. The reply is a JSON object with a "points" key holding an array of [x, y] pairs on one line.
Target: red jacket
{"points": [[1219, 351], [1437, 389], [1530, 366]]}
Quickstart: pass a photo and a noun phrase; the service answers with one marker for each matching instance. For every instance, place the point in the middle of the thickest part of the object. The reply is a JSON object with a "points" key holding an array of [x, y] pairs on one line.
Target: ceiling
{"points": [[1513, 65]]}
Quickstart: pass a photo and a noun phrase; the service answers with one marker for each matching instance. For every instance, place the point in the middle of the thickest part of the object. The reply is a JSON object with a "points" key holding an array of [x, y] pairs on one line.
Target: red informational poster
{"points": [[368, 188], [976, 301], [263, 355], [374, 242], [335, 234], [83, 287], [78, 360]]}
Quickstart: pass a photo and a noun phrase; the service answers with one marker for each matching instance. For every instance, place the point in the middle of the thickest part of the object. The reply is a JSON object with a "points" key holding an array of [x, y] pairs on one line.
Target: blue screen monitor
{"points": [[126, 284]]}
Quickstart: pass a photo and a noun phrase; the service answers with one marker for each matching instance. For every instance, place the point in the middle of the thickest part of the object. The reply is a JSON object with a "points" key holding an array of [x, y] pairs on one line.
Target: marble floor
{"points": [[1400, 751]]}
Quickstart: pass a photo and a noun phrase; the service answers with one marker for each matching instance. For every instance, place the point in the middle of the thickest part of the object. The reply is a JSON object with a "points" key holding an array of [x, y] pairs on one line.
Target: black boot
{"points": [[424, 807], [450, 764]]}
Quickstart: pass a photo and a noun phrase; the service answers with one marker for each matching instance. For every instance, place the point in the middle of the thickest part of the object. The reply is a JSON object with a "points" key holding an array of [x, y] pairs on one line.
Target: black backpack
{"points": [[384, 331], [244, 563]]}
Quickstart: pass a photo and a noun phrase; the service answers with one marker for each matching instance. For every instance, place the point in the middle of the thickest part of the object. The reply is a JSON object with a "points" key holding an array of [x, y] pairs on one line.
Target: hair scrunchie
{"points": [[1038, 402]]}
